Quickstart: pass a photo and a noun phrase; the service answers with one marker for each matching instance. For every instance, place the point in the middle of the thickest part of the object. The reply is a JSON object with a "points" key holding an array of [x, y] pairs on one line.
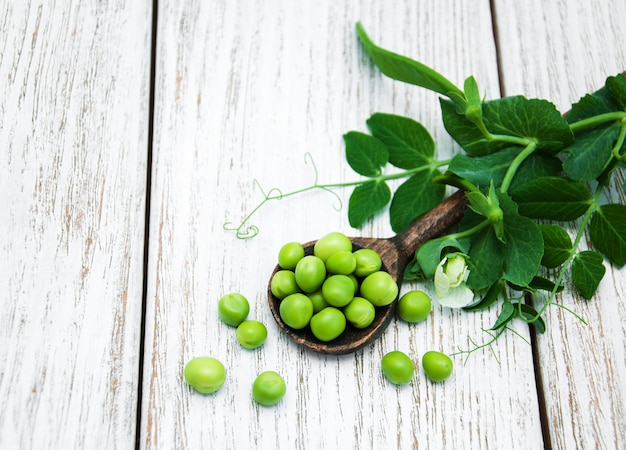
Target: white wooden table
{"points": [[132, 130]]}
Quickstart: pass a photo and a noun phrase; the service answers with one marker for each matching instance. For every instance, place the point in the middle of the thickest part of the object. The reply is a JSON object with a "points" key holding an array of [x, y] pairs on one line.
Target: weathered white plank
{"points": [[559, 51], [243, 91], [74, 88]]}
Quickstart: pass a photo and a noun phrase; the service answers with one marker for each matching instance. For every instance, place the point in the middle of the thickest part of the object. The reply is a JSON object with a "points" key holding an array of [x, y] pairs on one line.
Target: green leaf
{"points": [[608, 232], [587, 272], [487, 255], [552, 198], [414, 197], [482, 170], [544, 284], [428, 255], [488, 299], [465, 132], [514, 116], [409, 143], [528, 118], [590, 105], [557, 245], [413, 271], [531, 315], [506, 315], [617, 88], [524, 244], [405, 69], [538, 283], [365, 154], [589, 155], [366, 200]]}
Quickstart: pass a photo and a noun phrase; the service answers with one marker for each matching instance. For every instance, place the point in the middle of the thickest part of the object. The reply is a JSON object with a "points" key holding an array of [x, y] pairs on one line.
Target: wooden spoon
{"points": [[395, 253]]}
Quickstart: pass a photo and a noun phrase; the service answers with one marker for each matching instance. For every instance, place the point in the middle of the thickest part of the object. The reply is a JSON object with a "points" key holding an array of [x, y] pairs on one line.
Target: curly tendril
{"points": [[245, 230]]}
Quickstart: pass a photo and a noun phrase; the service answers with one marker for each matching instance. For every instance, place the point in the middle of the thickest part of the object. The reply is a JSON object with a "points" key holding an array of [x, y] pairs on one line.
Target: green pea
{"points": [[331, 243], [379, 288], [397, 367], [319, 302], [205, 374], [283, 284], [328, 324], [414, 306], [438, 366], [251, 334], [338, 290], [310, 273], [296, 310], [233, 309], [268, 388], [341, 262], [360, 312], [367, 262], [290, 254]]}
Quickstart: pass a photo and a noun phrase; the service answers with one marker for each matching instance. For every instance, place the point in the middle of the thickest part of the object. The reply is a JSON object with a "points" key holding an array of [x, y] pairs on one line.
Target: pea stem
{"points": [[470, 231], [531, 146], [597, 120], [579, 235], [620, 141]]}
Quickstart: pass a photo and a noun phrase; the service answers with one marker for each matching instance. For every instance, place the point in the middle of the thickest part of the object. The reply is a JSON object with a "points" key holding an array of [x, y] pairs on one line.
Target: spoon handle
{"points": [[432, 224]]}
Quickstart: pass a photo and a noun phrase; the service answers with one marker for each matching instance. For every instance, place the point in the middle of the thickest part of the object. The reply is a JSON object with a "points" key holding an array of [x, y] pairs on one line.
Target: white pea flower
{"points": [[450, 277]]}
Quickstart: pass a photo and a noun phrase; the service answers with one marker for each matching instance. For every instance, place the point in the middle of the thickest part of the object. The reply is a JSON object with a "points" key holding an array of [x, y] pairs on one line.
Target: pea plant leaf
{"points": [[405, 69], [416, 196], [557, 245], [488, 299], [552, 198], [409, 143], [506, 315], [487, 255], [616, 85], [600, 102], [587, 272], [587, 158], [544, 284], [590, 154], [366, 200], [482, 170], [512, 116], [465, 132], [608, 232], [365, 154], [524, 244], [528, 118]]}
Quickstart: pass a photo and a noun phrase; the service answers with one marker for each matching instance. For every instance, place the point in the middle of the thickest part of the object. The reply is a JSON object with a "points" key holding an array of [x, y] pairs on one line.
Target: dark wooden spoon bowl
{"points": [[395, 253]]}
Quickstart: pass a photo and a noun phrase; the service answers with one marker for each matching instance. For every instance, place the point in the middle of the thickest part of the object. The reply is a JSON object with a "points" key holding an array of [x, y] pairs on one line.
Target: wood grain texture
{"points": [[74, 81], [560, 51], [244, 90]]}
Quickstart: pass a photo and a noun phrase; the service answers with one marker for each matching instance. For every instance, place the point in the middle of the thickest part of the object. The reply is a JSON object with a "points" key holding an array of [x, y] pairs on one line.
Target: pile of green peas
{"points": [[207, 375], [333, 287]]}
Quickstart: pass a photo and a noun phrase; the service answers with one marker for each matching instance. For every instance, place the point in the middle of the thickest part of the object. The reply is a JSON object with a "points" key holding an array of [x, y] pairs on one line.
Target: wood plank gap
{"points": [[144, 293], [541, 398], [496, 41]]}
